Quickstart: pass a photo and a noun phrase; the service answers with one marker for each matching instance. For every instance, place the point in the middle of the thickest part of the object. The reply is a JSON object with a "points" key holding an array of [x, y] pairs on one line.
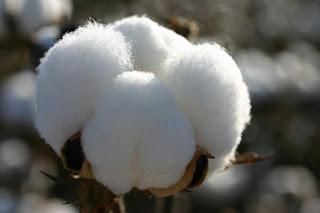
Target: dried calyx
{"points": [[74, 160], [201, 166], [194, 175]]}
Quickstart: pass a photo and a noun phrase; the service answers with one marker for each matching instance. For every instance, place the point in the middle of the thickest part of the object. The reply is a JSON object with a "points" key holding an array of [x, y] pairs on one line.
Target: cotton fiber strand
{"points": [[71, 77], [138, 137]]}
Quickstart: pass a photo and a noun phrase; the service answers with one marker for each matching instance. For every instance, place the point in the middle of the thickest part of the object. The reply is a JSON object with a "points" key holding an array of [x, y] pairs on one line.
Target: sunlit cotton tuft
{"points": [[71, 77], [211, 93], [151, 43], [138, 137]]}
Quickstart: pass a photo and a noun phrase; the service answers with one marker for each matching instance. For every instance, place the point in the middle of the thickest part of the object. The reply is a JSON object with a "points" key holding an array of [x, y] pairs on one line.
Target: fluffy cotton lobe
{"points": [[71, 77], [138, 137], [152, 43], [210, 91]]}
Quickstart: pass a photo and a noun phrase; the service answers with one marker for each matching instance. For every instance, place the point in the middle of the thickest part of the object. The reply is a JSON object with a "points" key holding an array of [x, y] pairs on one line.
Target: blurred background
{"points": [[276, 44]]}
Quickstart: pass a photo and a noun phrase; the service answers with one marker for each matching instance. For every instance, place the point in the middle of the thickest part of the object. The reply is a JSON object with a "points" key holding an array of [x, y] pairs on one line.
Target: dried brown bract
{"points": [[194, 175]]}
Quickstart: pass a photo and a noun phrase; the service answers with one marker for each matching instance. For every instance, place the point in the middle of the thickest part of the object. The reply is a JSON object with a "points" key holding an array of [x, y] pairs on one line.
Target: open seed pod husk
{"points": [[85, 171], [91, 195], [74, 160], [72, 155], [194, 175]]}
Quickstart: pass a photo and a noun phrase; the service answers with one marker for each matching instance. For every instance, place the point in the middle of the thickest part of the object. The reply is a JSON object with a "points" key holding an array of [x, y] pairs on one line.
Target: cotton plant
{"points": [[135, 106], [17, 101], [30, 15]]}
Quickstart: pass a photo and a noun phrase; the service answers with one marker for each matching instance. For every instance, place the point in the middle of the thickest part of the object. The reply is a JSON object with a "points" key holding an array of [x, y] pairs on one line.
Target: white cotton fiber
{"points": [[149, 49], [210, 91], [176, 42], [138, 137], [152, 43], [33, 14], [71, 77]]}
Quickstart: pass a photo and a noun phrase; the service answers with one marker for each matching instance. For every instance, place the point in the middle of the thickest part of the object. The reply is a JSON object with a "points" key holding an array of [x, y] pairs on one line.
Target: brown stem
{"points": [[120, 206], [93, 197]]}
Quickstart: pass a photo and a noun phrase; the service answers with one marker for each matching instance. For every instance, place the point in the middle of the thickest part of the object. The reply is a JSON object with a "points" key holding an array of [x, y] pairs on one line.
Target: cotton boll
{"points": [[138, 137], [17, 100], [301, 74], [15, 158], [295, 180], [47, 36], [210, 91], [306, 52], [32, 14], [71, 76], [151, 42], [265, 77]]}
